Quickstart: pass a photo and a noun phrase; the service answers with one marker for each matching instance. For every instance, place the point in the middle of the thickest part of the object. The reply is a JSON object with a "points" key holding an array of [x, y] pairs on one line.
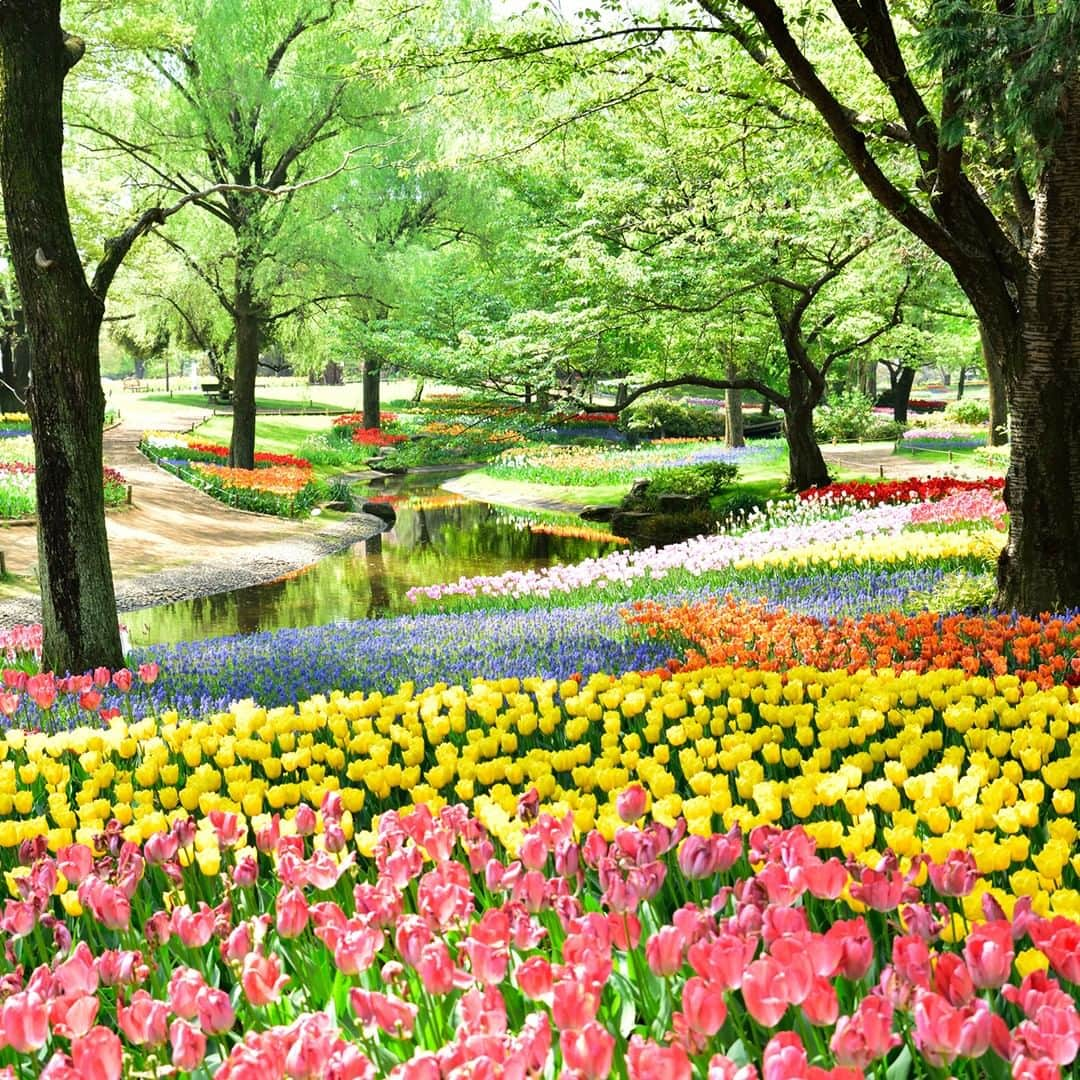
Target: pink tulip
{"points": [[534, 978], [704, 1006], [953, 980], [75, 862], [989, 953], [646, 1060], [763, 991], [664, 951], [866, 1035], [956, 876], [188, 1045], [145, 1022], [391, 1014], [261, 978], [292, 912], [122, 680], [631, 803], [588, 1051], [148, 673], [98, 1055], [73, 1016], [305, 820], [184, 987], [25, 1021], [215, 1010], [436, 968]]}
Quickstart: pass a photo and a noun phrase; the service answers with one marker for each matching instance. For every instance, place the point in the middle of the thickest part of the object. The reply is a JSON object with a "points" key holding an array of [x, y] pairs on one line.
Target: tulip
{"points": [[988, 950], [866, 1035], [631, 803], [25, 1022], [292, 912], [215, 1010], [97, 1055], [188, 1045], [647, 1060], [145, 1022], [261, 978], [664, 951], [589, 1050], [704, 1006]]}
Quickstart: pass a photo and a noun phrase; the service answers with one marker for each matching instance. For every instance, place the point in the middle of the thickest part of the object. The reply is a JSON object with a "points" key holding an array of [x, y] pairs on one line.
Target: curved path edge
{"points": [[259, 565]]}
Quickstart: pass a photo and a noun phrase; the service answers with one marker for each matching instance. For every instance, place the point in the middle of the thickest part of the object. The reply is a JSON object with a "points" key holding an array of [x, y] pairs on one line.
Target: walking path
{"points": [[175, 542], [876, 459]]}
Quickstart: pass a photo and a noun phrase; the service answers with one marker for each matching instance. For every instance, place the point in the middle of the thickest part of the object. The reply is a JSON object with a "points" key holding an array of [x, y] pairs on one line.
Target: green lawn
{"points": [[199, 401]]}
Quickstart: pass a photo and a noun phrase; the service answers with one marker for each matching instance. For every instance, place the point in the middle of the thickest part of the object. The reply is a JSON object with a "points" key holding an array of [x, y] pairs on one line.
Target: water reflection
{"points": [[437, 537]]}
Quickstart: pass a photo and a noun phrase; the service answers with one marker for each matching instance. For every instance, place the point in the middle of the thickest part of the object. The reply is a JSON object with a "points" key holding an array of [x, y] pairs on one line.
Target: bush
{"points": [[669, 419], [968, 412], [848, 417], [702, 482], [958, 592]]}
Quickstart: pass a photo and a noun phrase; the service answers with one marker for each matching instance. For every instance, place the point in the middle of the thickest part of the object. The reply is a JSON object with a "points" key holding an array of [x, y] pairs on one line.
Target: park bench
{"points": [[135, 386], [216, 394]]}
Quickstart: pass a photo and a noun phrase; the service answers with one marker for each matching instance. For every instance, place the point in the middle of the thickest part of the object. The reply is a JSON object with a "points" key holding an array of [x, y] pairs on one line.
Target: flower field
{"points": [[280, 484], [756, 823]]}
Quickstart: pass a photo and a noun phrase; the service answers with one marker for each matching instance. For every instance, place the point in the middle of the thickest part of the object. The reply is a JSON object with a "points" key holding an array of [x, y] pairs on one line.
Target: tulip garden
{"points": [[744, 807]]}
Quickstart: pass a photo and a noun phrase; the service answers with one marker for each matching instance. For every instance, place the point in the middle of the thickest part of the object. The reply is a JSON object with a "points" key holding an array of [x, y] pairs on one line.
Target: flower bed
{"points": [[588, 466], [280, 484], [803, 535], [665, 876], [18, 498], [878, 492]]}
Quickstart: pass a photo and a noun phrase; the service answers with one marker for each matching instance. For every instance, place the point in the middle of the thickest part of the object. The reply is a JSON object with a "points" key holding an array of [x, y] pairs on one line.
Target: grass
{"points": [[199, 401]]}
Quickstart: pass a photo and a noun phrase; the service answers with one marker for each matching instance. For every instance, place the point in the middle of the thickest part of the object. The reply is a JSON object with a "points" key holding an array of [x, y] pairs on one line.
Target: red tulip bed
{"points": [[424, 951]]}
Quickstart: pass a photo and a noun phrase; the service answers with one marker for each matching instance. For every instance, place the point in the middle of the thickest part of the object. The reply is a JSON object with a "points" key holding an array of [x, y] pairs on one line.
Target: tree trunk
{"points": [[418, 393], [371, 375], [901, 390], [1039, 569], [997, 434], [868, 379], [806, 466], [733, 420], [528, 395], [248, 338], [63, 322], [960, 383], [946, 377], [15, 367]]}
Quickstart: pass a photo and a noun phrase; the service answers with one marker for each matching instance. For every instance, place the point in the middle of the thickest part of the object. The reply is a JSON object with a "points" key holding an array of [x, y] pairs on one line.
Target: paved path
{"points": [[876, 459], [174, 541]]}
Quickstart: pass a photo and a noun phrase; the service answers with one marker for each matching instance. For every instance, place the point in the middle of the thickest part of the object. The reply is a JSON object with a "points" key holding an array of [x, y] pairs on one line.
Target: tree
{"points": [[63, 313], [14, 346], [994, 152], [252, 101]]}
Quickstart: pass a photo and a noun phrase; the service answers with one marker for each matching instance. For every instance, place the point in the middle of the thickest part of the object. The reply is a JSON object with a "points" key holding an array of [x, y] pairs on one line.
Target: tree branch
{"points": [[117, 248]]}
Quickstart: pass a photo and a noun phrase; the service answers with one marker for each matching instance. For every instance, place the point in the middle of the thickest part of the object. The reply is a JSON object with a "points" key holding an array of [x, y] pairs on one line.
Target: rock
{"points": [[629, 522], [341, 507], [393, 470], [383, 511], [679, 504], [638, 487], [597, 513], [374, 462]]}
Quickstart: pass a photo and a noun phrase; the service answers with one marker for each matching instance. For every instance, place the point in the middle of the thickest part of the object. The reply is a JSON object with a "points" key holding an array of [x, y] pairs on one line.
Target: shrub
{"points": [[968, 412], [961, 591], [848, 417], [702, 482], [667, 419]]}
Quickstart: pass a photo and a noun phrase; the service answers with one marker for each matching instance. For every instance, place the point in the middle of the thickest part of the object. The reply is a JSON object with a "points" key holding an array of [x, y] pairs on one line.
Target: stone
{"points": [[597, 513], [679, 504], [383, 511], [639, 486], [629, 522], [339, 506]]}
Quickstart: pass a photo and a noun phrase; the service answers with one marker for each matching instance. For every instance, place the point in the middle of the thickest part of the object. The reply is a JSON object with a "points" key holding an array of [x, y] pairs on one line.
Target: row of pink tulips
{"points": [[656, 956]]}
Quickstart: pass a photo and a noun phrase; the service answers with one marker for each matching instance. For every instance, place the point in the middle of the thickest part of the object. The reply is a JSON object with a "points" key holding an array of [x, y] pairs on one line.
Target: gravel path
{"points": [[175, 542]]}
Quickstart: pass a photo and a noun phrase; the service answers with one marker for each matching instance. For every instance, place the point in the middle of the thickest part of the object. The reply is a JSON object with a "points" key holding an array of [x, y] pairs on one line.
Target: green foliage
{"points": [[701, 483], [969, 411], [959, 591], [848, 417], [659, 418]]}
